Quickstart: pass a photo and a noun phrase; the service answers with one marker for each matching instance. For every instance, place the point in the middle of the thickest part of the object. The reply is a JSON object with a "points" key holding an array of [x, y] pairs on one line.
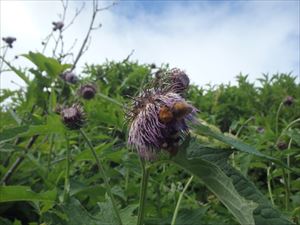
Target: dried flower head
{"points": [[158, 120], [73, 117], [57, 25], [9, 41], [87, 91], [288, 101], [69, 77]]}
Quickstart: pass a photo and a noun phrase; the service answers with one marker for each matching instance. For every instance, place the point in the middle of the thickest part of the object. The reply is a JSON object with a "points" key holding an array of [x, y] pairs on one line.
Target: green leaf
{"points": [[21, 74], [219, 183], [50, 65], [10, 133], [24, 193], [236, 143], [53, 125], [264, 213]]}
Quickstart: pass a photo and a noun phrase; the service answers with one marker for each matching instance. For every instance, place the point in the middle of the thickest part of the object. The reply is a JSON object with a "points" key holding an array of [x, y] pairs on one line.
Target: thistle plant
{"points": [[159, 115]]}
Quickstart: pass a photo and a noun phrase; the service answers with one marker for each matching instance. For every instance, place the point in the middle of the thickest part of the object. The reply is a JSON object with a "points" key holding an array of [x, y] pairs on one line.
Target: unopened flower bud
{"points": [[69, 77], [87, 91], [282, 145], [288, 101], [58, 25], [73, 117], [260, 130], [9, 41]]}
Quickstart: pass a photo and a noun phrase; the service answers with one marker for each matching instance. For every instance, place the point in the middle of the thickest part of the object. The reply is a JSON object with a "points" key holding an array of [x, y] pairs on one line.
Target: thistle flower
{"points": [[58, 25], [87, 91], [69, 77], [288, 101], [158, 120], [73, 117], [9, 41]]}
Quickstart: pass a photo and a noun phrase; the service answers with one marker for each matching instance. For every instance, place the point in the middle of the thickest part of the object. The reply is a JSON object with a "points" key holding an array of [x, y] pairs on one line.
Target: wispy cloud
{"points": [[213, 42]]}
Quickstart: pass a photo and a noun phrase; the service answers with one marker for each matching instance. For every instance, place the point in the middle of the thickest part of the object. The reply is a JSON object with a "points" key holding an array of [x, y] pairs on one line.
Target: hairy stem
{"points": [[102, 171], [179, 200], [269, 185], [143, 192]]}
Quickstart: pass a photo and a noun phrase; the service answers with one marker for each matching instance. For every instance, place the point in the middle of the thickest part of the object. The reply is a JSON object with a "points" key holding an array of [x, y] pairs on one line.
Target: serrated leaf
{"points": [[10, 133], [264, 213], [236, 143], [217, 182]]}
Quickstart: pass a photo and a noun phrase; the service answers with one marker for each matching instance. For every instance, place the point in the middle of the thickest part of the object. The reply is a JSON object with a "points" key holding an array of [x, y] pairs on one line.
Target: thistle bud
{"points": [[73, 117], [57, 25], [69, 77], [9, 41], [87, 91], [179, 80], [282, 145], [260, 130], [288, 101]]}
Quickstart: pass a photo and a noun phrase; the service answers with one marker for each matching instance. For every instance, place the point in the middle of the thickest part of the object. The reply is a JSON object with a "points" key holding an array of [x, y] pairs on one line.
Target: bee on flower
{"points": [[159, 115]]}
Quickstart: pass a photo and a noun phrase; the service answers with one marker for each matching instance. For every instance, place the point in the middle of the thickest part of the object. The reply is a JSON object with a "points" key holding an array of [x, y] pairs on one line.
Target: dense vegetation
{"points": [[50, 176]]}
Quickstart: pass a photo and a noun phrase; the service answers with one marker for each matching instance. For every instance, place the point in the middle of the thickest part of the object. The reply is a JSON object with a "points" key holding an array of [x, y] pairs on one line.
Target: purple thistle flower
{"points": [[73, 117], [158, 120]]}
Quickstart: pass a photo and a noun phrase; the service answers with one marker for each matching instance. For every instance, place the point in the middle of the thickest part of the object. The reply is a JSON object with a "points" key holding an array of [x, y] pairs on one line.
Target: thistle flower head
{"points": [[58, 25], [73, 117], [87, 91], [288, 101], [69, 77], [179, 80], [9, 40], [158, 120]]}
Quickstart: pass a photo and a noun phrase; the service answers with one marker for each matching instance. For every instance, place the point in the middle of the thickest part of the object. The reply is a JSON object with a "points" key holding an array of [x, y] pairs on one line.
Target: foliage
{"points": [[57, 179]]}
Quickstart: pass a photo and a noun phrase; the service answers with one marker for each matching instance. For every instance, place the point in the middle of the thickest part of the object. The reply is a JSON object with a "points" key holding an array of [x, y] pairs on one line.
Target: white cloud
{"points": [[212, 42]]}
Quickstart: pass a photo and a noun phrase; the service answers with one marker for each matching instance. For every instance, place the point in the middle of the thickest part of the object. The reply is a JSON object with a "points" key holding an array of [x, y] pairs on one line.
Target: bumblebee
{"points": [[178, 111], [181, 109], [165, 114]]}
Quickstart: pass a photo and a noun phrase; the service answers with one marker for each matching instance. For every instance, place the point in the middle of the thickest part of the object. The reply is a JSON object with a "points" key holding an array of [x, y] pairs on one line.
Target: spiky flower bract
{"points": [[73, 117], [87, 91], [158, 120], [69, 77]]}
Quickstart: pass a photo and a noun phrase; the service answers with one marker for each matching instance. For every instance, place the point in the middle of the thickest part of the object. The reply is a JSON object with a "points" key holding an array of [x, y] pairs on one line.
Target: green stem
{"points": [[143, 192], [179, 200], [277, 117], [67, 177], [50, 153], [110, 99], [243, 125], [102, 171], [269, 185]]}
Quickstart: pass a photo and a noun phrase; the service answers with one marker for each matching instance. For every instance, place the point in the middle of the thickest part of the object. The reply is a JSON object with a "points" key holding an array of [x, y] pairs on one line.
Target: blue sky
{"points": [[212, 40]]}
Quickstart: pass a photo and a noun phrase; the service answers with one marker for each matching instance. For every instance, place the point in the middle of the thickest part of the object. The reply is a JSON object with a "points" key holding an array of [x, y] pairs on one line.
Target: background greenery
{"points": [[223, 168]]}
